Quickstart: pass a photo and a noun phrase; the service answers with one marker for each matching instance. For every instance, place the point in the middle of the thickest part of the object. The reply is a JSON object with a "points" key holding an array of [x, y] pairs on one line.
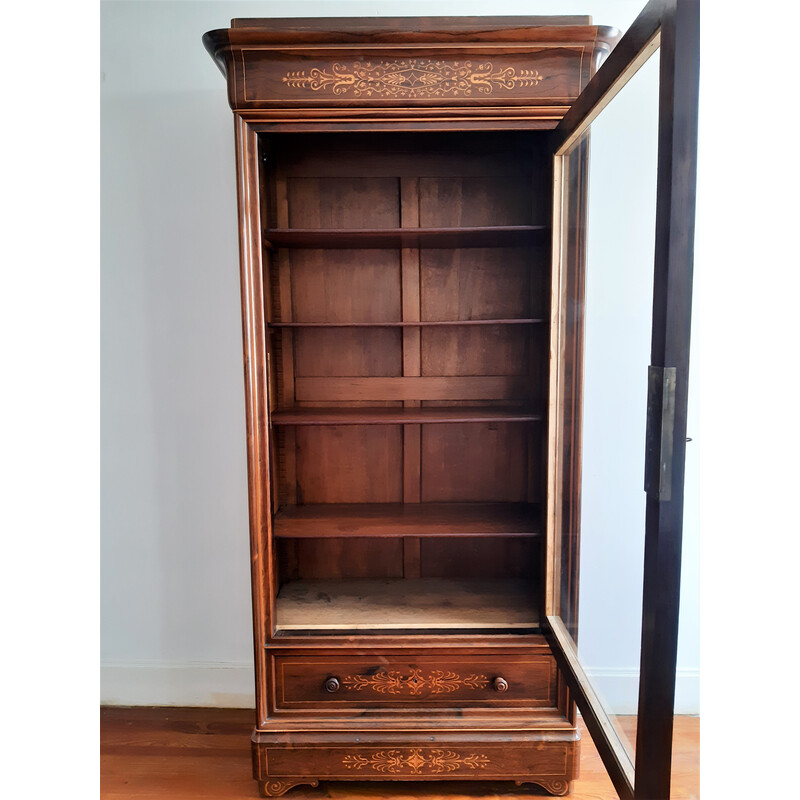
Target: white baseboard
{"points": [[148, 683], [619, 689]]}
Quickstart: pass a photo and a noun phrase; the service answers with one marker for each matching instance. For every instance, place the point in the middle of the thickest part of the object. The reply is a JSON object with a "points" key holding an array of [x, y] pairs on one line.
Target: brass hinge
{"points": [[659, 432]]}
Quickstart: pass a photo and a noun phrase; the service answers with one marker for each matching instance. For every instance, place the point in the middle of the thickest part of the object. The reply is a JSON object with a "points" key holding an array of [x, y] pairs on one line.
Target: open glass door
{"points": [[618, 396]]}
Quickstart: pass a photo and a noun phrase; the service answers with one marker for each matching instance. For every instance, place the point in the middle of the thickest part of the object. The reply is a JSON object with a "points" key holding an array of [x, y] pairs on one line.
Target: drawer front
{"points": [[321, 683]]}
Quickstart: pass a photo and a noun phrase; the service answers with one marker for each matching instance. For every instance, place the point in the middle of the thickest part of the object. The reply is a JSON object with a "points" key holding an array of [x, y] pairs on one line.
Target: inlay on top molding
{"points": [[410, 62]]}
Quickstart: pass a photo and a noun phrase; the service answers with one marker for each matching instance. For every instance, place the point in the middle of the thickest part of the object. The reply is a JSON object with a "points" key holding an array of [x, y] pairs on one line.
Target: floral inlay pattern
{"points": [[415, 761], [392, 682], [412, 78]]}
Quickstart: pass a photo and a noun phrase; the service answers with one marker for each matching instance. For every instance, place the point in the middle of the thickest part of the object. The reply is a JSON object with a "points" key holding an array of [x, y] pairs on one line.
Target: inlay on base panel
{"points": [[548, 758]]}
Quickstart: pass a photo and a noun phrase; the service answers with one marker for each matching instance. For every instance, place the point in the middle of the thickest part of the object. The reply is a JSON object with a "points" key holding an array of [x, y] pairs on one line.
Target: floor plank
{"points": [[204, 754]]}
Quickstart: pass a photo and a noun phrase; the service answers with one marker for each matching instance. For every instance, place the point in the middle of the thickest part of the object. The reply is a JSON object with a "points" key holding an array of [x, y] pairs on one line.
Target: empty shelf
{"points": [[496, 236], [407, 519], [406, 604], [402, 416], [452, 323]]}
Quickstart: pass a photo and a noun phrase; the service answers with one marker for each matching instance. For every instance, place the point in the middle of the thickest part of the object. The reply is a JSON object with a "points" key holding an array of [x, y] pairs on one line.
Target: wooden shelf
{"points": [[407, 519], [422, 604], [404, 324], [377, 238], [402, 416]]}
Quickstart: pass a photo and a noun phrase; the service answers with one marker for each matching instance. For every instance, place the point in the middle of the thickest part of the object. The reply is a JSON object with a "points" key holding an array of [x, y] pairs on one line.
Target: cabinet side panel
{"points": [[255, 374]]}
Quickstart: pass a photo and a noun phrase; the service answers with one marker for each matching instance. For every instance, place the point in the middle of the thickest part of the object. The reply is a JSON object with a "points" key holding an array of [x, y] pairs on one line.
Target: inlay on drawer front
{"points": [[326, 682]]}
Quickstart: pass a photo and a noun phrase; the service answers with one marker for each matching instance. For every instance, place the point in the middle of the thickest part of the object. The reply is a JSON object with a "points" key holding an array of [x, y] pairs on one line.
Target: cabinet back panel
{"points": [[330, 353], [440, 557], [475, 201], [310, 559], [476, 462], [345, 285], [343, 202], [476, 283], [349, 464], [408, 154], [480, 387], [484, 350], [473, 557]]}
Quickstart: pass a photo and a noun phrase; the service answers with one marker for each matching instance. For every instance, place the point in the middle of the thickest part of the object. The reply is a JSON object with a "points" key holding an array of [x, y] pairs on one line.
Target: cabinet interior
{"points": [[407, 279]]}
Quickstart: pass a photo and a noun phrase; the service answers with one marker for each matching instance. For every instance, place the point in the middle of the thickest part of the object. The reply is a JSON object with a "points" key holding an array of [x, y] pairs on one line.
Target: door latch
{"points": [[659, 431]]}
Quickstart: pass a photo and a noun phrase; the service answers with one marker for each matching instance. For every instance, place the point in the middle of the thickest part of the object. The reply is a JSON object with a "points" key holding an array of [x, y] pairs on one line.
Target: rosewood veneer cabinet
{"points": [[412, 322]]}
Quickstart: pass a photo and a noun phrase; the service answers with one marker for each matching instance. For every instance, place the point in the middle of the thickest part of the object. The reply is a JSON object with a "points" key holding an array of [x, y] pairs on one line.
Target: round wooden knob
{"points": [[332, 685], [500, 684]]}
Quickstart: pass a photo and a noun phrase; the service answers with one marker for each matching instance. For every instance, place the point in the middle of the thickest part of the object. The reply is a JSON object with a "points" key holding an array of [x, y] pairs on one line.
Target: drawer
{"points": [[324, 682]]}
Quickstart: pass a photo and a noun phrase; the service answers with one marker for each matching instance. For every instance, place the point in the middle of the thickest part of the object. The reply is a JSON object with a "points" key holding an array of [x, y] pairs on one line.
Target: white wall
{"points": [[618, 308], [175, 580]]}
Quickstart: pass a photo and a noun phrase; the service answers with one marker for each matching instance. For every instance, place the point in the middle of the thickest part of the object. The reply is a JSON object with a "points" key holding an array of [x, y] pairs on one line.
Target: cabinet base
{"points": [[548, 758], [275, 788]]}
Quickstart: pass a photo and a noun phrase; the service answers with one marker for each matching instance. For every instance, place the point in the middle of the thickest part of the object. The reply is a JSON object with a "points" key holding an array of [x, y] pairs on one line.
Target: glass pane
{"points": [[617, 333]]}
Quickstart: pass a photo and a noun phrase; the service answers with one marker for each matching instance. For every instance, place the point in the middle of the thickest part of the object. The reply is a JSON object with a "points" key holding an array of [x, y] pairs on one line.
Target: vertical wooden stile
{"points": [[255, 378], [412, 362], [289, 461]]}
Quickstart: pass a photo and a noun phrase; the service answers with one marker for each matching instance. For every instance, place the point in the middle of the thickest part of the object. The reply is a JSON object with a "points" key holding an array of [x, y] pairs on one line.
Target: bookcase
{"points": [[412, 353]]}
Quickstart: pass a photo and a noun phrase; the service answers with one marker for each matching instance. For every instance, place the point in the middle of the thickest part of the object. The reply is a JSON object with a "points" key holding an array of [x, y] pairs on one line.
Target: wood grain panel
{"points": [[343, 202], [408, 155], [345, 285], [350, 464], [479, 556], [481, 463], [479, 350], [328, 353], [372, 238], [477, 283], [475, 201], [321, 559], [490, 387]]}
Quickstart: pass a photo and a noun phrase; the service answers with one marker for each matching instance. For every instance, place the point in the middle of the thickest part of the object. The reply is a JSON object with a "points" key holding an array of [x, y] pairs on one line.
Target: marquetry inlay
{"points": [[412, 78], [415, 761], [436, 682]]}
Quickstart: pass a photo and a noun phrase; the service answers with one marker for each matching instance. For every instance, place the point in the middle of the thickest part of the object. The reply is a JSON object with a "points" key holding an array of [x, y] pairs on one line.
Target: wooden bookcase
{"points": [[395, 200]]}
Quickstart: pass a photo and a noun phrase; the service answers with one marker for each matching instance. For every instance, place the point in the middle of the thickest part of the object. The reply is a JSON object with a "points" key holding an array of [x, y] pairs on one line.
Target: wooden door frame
{"points": [[674, 26]]}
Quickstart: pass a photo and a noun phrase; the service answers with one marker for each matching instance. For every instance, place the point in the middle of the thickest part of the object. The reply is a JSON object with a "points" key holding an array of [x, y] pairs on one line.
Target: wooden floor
{"points": [[204, 754]]}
